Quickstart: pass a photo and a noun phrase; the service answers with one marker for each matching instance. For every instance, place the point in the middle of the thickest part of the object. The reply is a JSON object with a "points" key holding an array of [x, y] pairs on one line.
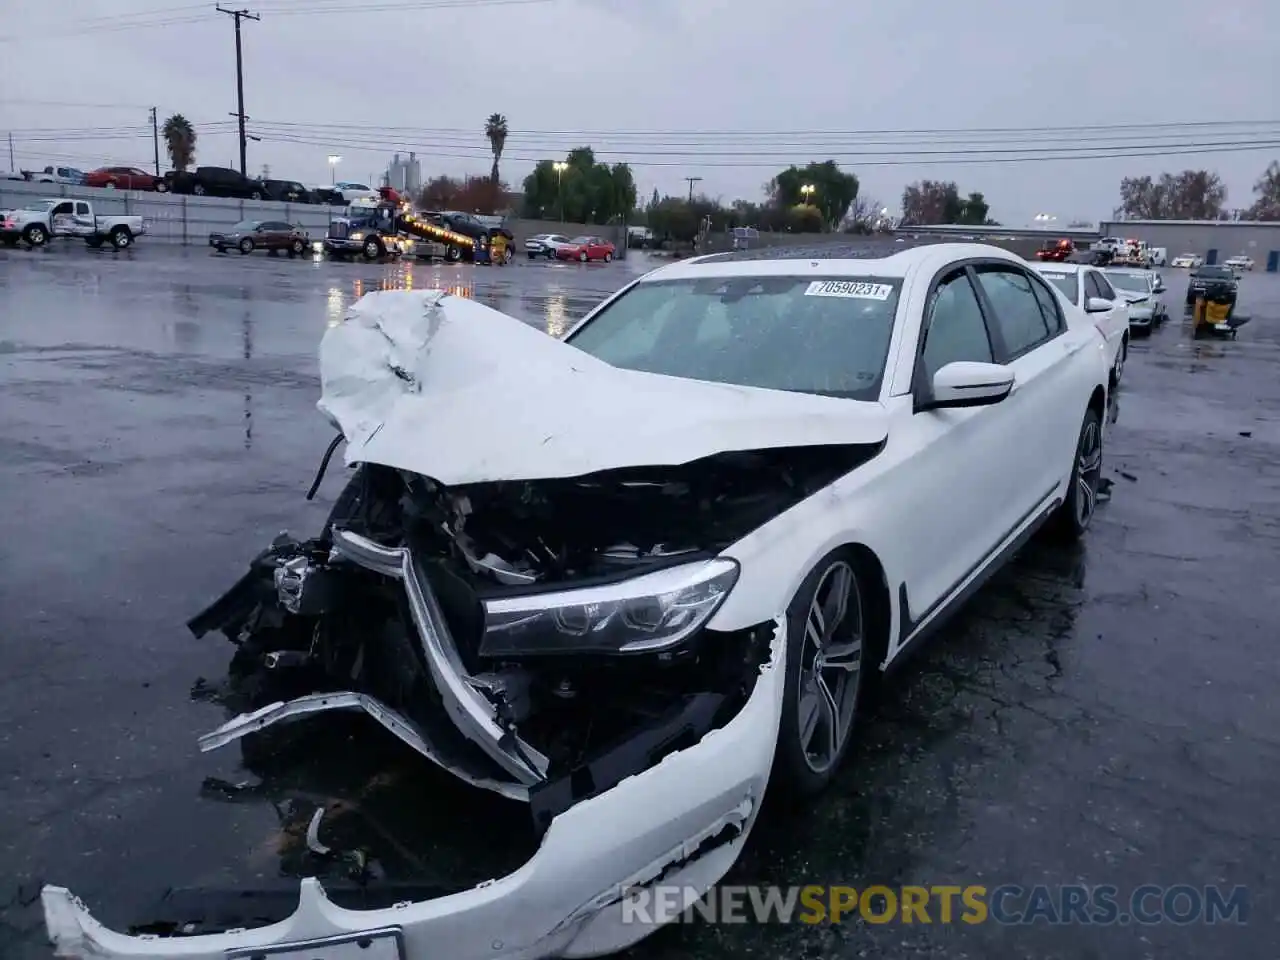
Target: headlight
{"points": [[652, 612], [357, 235]]}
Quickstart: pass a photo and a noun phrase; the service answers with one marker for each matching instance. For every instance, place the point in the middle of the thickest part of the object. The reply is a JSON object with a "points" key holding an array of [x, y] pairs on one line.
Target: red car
{"points": [[124, 178], [583, 249]]}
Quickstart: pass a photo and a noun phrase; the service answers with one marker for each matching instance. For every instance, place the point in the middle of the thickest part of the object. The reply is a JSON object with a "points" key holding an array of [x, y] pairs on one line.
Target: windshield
{"points": [[39, 207], [1068, 283], [828, 336], [1214, 273], [1132, 282]]}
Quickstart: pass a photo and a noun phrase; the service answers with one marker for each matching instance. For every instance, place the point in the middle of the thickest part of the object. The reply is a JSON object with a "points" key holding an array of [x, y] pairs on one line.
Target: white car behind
{"points": [[355, 191], [1239, 263], [789, 468], [1142, 290], [1087, 289], [545, 245], [1187, 260]]}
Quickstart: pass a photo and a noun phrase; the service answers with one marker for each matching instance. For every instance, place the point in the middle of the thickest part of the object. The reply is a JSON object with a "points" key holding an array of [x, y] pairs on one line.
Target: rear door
{"points": [[1032, 338]]}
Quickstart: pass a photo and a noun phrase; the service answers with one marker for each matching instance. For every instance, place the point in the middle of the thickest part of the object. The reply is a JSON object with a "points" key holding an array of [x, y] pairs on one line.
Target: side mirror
{"points": [[1097, 305], [966, 383]]}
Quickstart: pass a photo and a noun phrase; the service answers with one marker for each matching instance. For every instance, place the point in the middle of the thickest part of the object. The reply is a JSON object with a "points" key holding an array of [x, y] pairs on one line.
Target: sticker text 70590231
{"points": [[855, 289]]}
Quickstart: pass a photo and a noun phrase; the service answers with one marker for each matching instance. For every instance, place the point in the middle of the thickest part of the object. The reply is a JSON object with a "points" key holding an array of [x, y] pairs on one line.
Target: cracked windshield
{"points": [[472, 496]]}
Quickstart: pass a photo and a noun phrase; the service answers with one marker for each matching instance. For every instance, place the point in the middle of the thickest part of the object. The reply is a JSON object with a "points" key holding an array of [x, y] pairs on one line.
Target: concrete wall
{"points": [[1257, 240], [176, 218]]}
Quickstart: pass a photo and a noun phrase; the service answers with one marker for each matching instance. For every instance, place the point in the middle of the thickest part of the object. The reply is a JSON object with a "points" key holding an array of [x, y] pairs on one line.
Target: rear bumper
{"points": [[683, 821]]}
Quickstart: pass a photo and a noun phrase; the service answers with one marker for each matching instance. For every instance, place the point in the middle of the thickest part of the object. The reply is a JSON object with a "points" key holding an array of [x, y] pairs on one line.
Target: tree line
{"points": [[1197, 195]]}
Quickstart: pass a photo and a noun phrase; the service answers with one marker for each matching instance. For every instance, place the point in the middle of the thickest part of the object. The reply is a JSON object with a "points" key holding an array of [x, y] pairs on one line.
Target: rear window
{"points": [[1214, 273], [827, 336], [1068, 283]]}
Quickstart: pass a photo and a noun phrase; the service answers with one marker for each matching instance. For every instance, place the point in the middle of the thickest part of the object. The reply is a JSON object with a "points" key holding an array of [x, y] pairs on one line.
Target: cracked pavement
{"points": [[1103, 714]]}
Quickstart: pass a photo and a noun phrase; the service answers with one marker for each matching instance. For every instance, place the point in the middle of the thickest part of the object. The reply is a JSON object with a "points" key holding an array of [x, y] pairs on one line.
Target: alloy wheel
{"points": [[830, 665], [1088, 472]]}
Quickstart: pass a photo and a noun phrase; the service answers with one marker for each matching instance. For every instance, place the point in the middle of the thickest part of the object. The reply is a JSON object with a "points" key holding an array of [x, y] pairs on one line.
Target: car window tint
{"points": [[1048, 306], [1017, 312], [956, 329]]}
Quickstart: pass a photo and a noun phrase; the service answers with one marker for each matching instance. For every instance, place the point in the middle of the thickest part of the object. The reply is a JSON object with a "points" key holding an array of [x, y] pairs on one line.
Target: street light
{"points": [[807, 192], [333, 162], [560, 167]]}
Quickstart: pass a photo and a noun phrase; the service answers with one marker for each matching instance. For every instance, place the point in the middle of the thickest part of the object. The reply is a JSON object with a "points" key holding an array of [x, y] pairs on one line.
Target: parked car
{"points": [[43, 220], [68, 175], [287, 191], [633, 632], [1191, 260], [328, 196], [545, 245], [349, 190], [1239, 263], [1159, 256], [1086, 288], [125, 178], [217, 182], [272, 235], [584, 249], [1142, 289], [1215, 281]]}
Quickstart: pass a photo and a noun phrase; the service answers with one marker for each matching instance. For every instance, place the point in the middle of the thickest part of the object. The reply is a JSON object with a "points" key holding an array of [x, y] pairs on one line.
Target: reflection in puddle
{"points": [[557, 315]]}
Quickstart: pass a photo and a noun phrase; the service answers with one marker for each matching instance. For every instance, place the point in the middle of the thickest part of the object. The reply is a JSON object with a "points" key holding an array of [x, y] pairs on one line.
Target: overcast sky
{"points": [[726, 90]]}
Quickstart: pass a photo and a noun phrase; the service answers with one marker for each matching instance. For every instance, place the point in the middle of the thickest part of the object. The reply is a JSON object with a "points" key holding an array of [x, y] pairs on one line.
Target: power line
{"points": [[239, 15]]}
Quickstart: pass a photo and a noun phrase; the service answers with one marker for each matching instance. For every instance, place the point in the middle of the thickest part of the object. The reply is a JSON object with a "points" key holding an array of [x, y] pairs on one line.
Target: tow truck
{"points": [[375, 229], [1056, 252], [40, 221]]}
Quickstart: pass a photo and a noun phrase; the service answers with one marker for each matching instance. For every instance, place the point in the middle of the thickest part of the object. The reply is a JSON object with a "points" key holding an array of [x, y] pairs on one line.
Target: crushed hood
{"points": [[451, 389]]}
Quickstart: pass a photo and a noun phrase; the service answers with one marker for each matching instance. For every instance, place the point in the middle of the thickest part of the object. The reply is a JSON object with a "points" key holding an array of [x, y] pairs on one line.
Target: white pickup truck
{"points": [[38, 222]]}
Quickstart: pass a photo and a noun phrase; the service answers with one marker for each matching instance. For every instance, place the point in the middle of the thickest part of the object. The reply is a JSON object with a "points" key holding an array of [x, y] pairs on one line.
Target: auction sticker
{"points": [[855, 289]]}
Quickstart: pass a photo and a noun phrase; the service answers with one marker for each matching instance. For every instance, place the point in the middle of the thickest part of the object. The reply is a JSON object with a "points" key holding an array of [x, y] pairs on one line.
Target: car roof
{"points": [[832, 259], [1062, 266]]}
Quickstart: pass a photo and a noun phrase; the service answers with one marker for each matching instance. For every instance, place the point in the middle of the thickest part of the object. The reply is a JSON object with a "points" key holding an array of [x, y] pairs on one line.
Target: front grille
{"points": [[338, 231]]}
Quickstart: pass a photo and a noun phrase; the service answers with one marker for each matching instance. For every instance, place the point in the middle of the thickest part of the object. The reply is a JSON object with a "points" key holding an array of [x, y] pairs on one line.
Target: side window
{"points": [[1048, 307], [1017, 311], [82, 209], [1105, 290], [956, 330], [62, 208], [1091, 288]]}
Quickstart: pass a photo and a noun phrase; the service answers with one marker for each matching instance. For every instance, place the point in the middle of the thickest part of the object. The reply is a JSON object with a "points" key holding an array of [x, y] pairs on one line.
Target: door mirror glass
{"points": [[1097, 305], [967, 383]]}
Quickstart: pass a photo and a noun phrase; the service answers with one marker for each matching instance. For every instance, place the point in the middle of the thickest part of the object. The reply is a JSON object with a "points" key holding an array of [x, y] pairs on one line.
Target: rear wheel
{"points": [[1076, 513], [551, 254], [110, 185], [608, 258], [826, 634], [161, 186], [198, 189], [582, 257], [297, 247], [121, 237]]}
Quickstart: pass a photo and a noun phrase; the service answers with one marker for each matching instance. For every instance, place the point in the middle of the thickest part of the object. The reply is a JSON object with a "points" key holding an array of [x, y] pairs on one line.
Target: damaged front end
{"points": [[542, 639], [525, 604]]}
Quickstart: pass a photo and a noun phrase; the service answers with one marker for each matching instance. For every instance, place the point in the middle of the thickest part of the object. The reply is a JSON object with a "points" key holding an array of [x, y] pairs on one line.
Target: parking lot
{"points": [[1105, 715]]}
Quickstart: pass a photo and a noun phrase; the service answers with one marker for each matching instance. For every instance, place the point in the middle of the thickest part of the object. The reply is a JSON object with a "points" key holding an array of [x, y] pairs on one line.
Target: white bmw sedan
{"points": [[1088, 289], [629, 578]]}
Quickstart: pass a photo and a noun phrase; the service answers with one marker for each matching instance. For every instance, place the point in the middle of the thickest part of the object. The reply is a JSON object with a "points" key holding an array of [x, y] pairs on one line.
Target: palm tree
{"points": [[180, 141], [495, 128]]}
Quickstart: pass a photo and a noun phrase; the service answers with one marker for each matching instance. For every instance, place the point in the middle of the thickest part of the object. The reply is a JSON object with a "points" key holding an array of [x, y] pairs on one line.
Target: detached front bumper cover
{"points": [[682, 822]]}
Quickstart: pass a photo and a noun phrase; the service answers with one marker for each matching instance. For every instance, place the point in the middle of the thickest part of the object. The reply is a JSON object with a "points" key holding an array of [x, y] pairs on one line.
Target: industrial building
{"points": [[1213, 240], [405, 176]]}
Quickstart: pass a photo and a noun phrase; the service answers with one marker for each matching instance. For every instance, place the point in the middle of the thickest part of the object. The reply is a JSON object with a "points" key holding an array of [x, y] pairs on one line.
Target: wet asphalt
{"points": [[1103, 715]]}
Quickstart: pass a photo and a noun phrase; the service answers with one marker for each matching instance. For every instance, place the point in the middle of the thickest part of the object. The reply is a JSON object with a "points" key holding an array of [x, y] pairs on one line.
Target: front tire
{"points": [[826, 635], [297, 247], [1076, 513], [36, 235], [608, 258], [583, 258], [372, 249], [246, 247]]}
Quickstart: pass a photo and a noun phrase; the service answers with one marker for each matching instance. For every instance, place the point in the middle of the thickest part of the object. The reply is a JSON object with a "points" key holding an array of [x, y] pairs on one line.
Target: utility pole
{"points": [[12, 166], [155, 138], [692, 181], [239, 15]]}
